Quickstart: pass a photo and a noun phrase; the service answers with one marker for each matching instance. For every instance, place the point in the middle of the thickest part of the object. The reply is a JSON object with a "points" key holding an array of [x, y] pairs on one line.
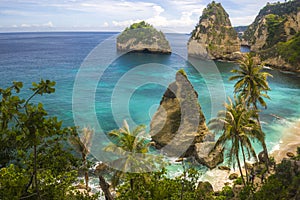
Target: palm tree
{"points": [[251, 83], [127, 144], [82, 144], [252, 86], [238, 126]]}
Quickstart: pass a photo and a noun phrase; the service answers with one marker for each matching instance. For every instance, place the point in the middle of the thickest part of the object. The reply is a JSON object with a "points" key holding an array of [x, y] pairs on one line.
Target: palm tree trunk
{"points": [[131, 187], [245, 164], [265, 150], [105, 188], [266, 155], [86, 173], [239, 165]]}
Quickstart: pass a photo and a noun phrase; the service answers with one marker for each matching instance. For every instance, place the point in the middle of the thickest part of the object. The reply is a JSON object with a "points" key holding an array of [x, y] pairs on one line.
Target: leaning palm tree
{"points": [[252, 86], [126, 143], [238, 126], [82, 143]]}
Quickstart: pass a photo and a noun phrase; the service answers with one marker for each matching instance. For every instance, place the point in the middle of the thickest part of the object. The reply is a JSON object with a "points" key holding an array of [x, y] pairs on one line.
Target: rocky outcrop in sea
{"points": [[178, 127], [214, 37], [143, 37]]}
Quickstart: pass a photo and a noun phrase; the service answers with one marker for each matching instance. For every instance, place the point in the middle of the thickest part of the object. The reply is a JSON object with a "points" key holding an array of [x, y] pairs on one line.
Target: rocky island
{"points": [[179, 126], [214, 37], [143, 37]]}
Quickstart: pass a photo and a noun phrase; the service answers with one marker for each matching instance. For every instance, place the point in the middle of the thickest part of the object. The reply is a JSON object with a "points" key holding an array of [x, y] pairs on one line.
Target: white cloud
{"points": [[179, 15], [105, 24], [49, 24], [126, 23], [185, 21], [14, 12], [26, 25], [46, 25]]}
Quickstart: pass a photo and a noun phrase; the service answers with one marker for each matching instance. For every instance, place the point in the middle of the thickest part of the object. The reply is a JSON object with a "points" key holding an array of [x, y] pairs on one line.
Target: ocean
{"points": [[98, 87]]}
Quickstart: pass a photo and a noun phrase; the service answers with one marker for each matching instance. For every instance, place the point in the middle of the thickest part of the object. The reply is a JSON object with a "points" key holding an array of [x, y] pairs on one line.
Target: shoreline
{"points": [[289, 142]]}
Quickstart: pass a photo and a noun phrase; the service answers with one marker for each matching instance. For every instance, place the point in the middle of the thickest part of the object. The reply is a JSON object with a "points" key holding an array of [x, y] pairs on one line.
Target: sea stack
{"points": [[214, 37], [178, 126], [143, 37]]}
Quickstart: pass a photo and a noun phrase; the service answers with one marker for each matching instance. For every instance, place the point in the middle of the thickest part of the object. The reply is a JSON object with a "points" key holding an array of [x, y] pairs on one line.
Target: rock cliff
{"points": [[143, 37], [179, 123], [214, 37], [275, 28]]}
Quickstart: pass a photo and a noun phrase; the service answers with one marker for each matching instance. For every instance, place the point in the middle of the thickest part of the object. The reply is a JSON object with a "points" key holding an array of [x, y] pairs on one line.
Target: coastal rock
{"points": [[179, 122], [204, 155], [235, 56], [249, 166], [274, 35], [233, 176], [290, 154], [101, 168], [262, 157], [214, 37], [143, 37], [205, 187], [224, 168]]}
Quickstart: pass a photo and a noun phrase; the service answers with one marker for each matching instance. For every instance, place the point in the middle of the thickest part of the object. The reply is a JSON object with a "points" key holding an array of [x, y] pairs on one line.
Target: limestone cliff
{"points": [[275, 27], [179, 124], [214, 37], [143, 37]]}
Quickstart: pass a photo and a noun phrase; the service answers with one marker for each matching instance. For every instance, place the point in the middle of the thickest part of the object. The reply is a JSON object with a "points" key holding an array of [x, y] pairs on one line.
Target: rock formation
{"points": [[143, 37], [203, 155], [178, 126], [274, 35], [214, 37]]}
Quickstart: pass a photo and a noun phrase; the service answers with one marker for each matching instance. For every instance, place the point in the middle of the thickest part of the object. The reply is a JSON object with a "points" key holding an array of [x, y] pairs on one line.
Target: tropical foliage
{"points": [[82, 144], [156, 185], [35, 160], [238, 126], [252, 84], [132, 147]]}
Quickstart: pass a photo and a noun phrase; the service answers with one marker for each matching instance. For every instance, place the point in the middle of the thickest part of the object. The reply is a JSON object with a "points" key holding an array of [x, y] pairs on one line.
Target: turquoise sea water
{"points": [[132, 85]]}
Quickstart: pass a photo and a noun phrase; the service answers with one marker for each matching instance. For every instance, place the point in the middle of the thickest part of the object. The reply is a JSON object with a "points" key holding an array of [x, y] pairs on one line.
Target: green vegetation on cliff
{"points": [[141, 24], [290, 50], [277, 13], [276, 33], [271, 35]]}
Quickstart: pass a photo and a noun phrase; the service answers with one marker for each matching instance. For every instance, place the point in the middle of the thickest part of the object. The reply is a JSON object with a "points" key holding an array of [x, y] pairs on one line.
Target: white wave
{"points": [[266, 67]]}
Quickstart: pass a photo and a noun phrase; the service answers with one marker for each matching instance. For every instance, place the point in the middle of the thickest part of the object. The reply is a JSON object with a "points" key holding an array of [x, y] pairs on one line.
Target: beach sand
{"points": [[289, 142]]}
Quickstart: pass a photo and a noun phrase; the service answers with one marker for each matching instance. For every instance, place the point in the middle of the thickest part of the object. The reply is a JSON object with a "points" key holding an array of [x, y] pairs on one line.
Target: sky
{"points": [[179, 16]]}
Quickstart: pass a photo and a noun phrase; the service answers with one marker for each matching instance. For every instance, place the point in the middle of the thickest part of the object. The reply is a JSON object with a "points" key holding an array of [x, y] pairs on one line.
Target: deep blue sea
{"points": [[113, 87]]}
